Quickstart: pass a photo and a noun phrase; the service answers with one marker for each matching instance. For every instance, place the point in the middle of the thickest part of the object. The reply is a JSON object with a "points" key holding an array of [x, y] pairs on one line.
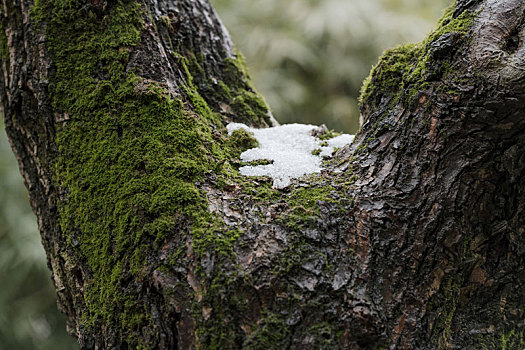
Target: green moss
{"points": [[403, 71], [4, 50], [218, 314], [248, 105], [303, 207], [240, 95], [272, 333], [329, 134], [394, 67], [191, 66], [324, 335], [309, 198], [509, 340], [243, 140], [129, 156], [444, 306], [512, 340], [237, 164], [305, 202], [258, 162], [230, 92], [274, 330], [448, 23]]}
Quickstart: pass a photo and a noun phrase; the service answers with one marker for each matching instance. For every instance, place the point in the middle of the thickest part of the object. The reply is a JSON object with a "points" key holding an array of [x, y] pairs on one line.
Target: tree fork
{"points": [[413, 237]]}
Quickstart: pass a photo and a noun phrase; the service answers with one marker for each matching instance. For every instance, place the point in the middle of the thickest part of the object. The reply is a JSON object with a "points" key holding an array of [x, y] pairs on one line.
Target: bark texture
{"points": [[412, 238]]}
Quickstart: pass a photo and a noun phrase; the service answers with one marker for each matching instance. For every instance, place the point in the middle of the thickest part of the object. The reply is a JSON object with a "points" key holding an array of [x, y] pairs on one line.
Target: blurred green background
{"points": [[307, 57]]}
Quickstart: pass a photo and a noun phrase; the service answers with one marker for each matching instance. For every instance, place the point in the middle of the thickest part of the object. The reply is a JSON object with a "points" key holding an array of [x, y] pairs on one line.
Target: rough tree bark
{"points": [[412, 238]]}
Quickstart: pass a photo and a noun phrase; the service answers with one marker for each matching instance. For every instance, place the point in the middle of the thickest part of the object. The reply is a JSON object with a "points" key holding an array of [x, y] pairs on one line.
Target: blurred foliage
{"points": [[307, 57]]}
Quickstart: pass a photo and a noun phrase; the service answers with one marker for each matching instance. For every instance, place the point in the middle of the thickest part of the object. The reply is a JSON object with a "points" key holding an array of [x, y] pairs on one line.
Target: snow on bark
{"points": [[292, 150]]}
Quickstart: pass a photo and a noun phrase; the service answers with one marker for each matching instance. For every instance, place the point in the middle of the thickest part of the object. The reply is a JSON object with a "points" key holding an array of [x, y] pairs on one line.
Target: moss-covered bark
{"points": [[157, 242]]}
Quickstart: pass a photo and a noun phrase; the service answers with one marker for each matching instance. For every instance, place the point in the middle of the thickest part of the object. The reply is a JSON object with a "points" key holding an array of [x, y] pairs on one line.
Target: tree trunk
{"points": [[412, 238]]}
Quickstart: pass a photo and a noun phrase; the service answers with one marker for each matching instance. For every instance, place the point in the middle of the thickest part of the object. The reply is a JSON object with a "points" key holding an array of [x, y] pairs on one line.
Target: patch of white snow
{"points": [[336, 142], [290, 148]]}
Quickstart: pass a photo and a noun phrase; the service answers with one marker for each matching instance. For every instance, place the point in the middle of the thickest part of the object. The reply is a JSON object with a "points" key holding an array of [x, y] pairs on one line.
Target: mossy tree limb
{"points": [[413, 237]]}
